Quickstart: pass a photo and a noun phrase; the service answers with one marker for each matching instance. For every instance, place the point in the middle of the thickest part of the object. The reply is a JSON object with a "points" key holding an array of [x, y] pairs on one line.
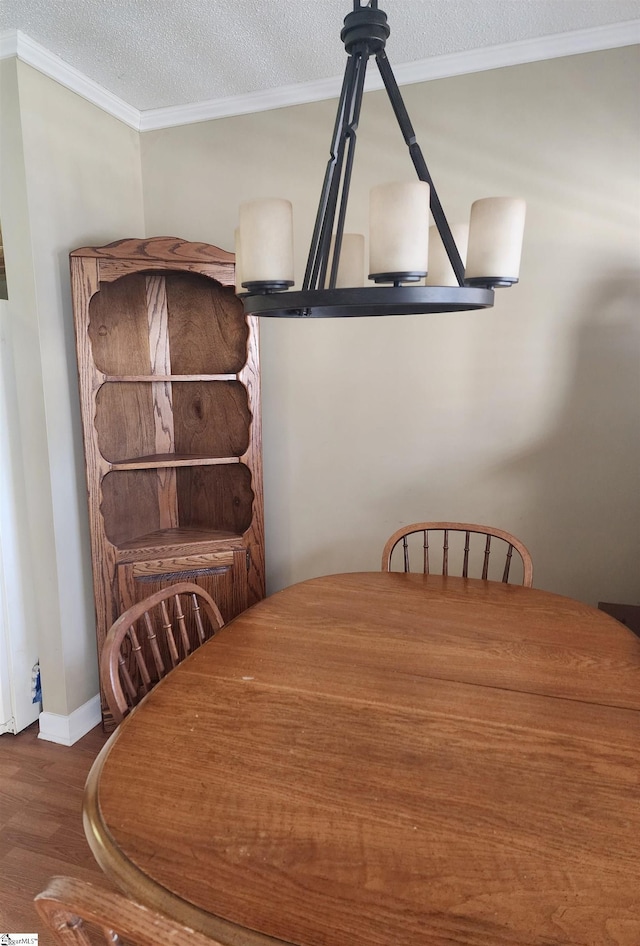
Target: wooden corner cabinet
{"points": [[170, 396]]}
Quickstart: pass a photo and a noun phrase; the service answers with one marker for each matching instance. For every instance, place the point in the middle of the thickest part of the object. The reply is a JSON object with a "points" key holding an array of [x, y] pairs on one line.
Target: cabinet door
{"points": [[222, 574]]}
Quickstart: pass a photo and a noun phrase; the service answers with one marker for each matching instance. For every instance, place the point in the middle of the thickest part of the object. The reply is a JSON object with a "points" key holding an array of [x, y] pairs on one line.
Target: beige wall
{"points": [[525, 416], [80, 180]]}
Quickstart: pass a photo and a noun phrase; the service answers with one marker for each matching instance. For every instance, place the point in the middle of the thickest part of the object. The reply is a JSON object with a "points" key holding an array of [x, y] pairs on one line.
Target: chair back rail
{"points": [[78, 913], [151, 638], [495, 540]]}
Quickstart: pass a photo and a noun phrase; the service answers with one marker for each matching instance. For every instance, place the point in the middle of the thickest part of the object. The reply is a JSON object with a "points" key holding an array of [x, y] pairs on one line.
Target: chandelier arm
{"points": [[420, 164], [351, 140], [333, 168], [326, 230]]}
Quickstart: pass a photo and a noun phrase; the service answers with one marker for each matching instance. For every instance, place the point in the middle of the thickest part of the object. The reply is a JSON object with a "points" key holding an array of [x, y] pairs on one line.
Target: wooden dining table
{"points": [[380, 759]]}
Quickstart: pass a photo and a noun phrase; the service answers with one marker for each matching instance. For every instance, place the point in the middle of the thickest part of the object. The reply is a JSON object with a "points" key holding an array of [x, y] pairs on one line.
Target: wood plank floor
{"points": [[41, 786]]}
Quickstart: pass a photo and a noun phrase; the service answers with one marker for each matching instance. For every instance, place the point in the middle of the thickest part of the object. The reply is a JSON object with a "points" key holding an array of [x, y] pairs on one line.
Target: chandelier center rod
{"points": [[364, 34]]}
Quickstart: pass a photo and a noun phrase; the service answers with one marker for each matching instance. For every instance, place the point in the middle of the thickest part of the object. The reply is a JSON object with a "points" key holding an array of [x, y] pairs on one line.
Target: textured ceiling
{"points": [[156, 53]]}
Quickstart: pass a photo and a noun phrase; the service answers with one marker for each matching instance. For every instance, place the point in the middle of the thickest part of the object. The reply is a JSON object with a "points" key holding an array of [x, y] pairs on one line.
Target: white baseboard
{"points": [[66, 730]]}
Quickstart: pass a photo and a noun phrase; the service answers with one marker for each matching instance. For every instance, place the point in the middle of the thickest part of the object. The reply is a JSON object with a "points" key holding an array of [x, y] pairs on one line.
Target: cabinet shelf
{"points": [[137, 423], [150, 378], [169, 460], [165, 542]]}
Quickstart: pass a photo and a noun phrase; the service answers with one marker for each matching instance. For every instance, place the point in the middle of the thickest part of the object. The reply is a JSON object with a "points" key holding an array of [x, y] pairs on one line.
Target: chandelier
{"points": [[408, 277]]}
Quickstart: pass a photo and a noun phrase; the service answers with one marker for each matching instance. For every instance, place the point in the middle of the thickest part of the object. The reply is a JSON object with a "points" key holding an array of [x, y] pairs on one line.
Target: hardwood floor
{"points": [[41, 786]]}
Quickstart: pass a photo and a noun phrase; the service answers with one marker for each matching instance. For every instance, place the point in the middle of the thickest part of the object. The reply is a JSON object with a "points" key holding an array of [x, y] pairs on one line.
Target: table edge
{"points": [[135, 883]]}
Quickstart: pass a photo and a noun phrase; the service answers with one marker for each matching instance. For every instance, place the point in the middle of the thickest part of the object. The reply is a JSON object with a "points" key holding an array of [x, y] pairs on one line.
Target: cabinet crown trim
{"points": [[164, 248]]}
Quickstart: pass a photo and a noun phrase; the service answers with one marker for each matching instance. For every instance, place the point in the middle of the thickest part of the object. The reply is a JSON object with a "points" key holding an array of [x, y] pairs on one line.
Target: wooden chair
{"points": [[463, 553], [150, 638], [78, 913]]}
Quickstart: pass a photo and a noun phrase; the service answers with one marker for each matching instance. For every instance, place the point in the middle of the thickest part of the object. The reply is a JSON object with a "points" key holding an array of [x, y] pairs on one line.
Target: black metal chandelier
{"points": [[398, 256]]}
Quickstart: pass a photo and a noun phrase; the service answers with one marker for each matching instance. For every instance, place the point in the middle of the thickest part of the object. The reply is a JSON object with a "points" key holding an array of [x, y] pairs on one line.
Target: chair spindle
{"points": [[507, 564], [198, 619], [487, 553], [153, 643], [126, 677], [167, 627], [405, 545], [136, 647], [445, 553], [465, 561], [182, 626]]}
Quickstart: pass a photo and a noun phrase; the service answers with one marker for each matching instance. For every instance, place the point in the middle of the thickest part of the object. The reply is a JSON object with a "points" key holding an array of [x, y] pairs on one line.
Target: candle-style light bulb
{"points": [[440, 269], [266, 242], [496, 228], [399, 232], [351, 265]]}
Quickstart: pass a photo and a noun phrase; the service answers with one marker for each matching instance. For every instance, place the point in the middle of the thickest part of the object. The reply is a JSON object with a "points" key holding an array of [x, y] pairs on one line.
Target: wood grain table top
{"points": [[387, 760]]}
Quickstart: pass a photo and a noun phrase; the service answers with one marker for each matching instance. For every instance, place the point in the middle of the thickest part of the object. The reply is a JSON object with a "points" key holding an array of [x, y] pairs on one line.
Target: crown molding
{"points": [[553, 46], [263, 101], [424, 70], [16, 43]]}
